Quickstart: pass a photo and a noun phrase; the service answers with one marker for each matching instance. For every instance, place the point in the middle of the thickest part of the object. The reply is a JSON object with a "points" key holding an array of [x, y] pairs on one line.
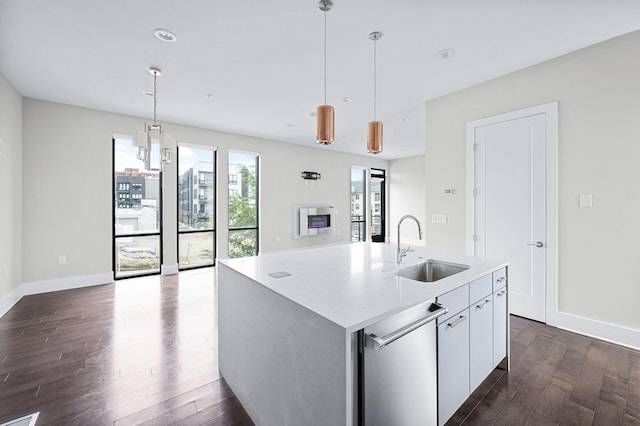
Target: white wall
{"points": [[10, 193], [67, 188], [406, 196], [598, 90]]}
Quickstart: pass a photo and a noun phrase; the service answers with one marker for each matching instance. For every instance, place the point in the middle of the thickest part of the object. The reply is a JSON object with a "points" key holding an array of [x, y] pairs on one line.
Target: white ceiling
{"points": [[261, 61]]}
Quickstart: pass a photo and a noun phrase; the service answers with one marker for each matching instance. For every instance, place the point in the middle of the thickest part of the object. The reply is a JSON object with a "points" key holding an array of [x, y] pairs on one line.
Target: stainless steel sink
{"points": [[431, 270]]}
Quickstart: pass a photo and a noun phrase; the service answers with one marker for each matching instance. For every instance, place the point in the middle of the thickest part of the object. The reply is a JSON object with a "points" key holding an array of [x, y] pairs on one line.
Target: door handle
{"points": [[482, 305], [538, 244], [456, 322], [375, 342]]}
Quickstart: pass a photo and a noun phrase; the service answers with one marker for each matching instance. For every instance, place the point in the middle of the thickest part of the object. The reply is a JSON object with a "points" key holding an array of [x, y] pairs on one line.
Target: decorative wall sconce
{"points": [[311, 175]]}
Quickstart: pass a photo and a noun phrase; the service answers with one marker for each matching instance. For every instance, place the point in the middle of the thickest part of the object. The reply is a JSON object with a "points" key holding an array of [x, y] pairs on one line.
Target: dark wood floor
{"points": [[141, 351], [557, 378], [144, 351]]}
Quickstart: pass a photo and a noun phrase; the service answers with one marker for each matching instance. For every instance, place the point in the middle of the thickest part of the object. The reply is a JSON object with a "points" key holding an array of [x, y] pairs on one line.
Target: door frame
{"points": [[551, 192]]}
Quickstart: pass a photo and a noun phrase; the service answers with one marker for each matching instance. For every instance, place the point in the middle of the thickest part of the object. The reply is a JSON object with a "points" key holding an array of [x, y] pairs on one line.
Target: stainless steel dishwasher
{"points": [[398, 369]]}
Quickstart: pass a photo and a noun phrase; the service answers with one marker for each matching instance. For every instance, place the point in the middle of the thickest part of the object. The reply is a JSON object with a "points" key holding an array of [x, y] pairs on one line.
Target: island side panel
{"points": [[286, 365]]}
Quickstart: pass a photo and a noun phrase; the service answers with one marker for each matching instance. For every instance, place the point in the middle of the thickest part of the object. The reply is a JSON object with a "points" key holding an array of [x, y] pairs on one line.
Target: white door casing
{"points": [[511, 202]]}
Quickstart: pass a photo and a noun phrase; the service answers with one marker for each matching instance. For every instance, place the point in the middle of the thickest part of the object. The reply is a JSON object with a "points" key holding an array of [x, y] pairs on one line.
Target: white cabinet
{"points": [[453, 354], [500, 318], [480, 330], [472, 339], [480, 340], [500, 331]]}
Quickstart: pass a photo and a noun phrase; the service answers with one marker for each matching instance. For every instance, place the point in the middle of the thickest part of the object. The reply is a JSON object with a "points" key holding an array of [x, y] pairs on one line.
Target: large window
{"points": [[358, 204], [196, 206], [377, 205], [243, 204], [137, 248]]}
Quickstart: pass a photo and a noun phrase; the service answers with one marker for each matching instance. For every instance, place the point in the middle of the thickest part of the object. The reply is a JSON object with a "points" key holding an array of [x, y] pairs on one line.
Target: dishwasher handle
{"points": [[374, 342]]}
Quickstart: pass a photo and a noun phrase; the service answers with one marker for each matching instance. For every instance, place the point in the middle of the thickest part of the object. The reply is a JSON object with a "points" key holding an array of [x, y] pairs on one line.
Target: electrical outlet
{"points": [[62, 260], [438, 218]]}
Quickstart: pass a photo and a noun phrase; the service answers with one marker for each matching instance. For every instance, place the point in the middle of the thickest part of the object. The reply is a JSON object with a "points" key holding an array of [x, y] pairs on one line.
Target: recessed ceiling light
{"points": [[312, 114], [164, 35], [290, 125], [445, 53], [347, 100], [147, 93], [209, 95], [406, 118]]}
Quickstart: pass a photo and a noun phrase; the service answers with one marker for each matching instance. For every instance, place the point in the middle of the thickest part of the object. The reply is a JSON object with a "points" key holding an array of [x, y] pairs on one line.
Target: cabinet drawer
{"points": [[499, 278], [455, 301], [480, 288]]}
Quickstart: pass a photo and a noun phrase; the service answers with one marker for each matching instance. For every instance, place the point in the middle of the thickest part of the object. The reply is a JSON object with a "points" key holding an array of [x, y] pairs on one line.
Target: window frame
{"points": [[195, 197], [258, 160], [115, 236]]}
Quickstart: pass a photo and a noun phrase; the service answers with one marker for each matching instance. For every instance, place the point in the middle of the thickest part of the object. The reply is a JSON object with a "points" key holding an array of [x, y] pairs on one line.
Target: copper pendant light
{"points": [[325, 134], [324, 114], [374, 139]]}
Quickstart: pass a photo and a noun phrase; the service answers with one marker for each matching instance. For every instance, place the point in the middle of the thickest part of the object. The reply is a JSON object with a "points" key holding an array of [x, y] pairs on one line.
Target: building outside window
{"points": [[136, 212], [196, 207], [243, 204], [358, 210]]}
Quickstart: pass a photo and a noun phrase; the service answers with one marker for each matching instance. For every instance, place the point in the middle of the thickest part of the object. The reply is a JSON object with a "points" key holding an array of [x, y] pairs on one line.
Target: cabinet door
{"points": [[480, 341], [453, 365], [499, 325]]}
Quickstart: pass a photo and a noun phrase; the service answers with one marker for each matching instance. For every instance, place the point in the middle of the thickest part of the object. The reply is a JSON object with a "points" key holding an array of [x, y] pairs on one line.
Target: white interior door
{"points": [[510, 206]]}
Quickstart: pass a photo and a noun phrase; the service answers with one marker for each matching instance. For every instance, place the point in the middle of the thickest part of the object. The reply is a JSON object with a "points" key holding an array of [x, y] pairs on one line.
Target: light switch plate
{"points": [[438, 218], [586, 201]]}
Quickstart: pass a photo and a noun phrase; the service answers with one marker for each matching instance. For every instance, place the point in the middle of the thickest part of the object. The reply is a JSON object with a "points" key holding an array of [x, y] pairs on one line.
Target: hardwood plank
{"points": [[513, 414], [587, 388], [574, 414], [552, 401], [607, 414], [537, 420], [488, 409], [528, 395]]}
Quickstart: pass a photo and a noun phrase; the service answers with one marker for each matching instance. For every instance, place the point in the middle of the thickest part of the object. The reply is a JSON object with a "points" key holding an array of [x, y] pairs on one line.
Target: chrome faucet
{"points": [[402, 253]]}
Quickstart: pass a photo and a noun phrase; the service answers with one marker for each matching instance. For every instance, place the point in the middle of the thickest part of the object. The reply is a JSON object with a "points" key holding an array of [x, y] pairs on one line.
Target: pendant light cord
{"points": [[325, 57], [155, 93], [375, 94]]}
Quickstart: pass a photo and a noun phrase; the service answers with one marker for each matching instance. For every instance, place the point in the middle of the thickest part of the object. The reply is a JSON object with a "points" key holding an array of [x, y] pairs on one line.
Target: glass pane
{"points": [[243, 172], [195, 249], [358, 206], [137, 191], [243, 243], [377, 205], [137, 255], [196, 189]]}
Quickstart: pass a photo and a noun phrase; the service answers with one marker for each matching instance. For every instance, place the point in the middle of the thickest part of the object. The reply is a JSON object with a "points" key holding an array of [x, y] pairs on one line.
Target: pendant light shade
{"points": [[374, 140], [374, 134], [324, 114], [325, 133]]}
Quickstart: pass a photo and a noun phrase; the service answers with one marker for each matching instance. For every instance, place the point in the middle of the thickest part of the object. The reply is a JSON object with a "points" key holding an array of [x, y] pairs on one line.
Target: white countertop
{"points": [[353, 284]]}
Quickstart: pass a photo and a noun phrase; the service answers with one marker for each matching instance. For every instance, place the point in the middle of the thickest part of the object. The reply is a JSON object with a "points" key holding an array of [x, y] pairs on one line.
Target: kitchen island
{"points": [[289, 321]]}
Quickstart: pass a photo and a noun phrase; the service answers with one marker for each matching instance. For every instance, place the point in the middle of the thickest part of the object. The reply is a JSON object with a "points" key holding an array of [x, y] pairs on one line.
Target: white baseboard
{"points": [[46, 286], [600, 330], [170, 269], [9, 300], [37, 287]]}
